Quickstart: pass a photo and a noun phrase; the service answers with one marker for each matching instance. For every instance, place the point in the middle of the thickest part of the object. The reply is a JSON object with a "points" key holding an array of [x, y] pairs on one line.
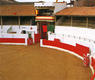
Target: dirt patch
{"points": [[36, 63]]}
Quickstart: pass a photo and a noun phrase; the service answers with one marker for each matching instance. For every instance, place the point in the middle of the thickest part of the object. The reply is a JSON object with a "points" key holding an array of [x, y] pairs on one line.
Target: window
{"points": [[27, 20], [10, 20]]}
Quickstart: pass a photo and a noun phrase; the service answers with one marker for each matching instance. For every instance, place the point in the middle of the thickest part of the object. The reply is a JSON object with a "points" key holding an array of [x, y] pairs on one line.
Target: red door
{"points": [[44, 31], [44, 28]]}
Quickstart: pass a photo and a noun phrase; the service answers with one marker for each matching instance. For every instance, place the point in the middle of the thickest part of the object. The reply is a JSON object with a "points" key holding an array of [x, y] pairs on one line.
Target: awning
{"points": [[45, 18]]}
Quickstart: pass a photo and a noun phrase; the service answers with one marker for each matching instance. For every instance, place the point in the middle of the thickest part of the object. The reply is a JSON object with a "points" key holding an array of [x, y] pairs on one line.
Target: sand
{"points": [[36, 63]]}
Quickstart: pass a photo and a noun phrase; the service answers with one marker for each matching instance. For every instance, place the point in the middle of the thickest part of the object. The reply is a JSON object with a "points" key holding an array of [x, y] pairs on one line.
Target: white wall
{"points": [[5, 28], [5, 35], [28, 28], [43, 4], [17, 29], [75, 31], [59, 7], [73, 35]]}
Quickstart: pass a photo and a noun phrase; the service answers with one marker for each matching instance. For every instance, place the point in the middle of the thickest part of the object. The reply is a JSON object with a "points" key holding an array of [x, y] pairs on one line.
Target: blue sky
{"points": [[41, 0]]}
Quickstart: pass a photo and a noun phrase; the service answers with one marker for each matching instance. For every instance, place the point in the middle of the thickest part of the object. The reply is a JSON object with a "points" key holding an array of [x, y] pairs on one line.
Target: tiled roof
{"points": [[17, 10], [77, 11]]}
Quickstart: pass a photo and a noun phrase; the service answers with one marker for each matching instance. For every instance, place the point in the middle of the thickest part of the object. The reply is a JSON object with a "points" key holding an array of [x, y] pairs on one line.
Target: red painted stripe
{"points": [[37, 38], [45, 19], [93, 62], [78, 49], [29, 41], [93, 77], [44, 16], [12, 40]]}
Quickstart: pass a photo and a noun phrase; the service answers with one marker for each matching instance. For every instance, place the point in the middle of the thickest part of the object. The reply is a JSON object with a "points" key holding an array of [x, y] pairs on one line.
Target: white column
{"points": [[19, 21]]}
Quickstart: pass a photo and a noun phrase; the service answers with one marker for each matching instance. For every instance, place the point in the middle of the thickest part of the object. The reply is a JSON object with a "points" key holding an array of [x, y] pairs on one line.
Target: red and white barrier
{"points": [[36, 38], [93, 77], [15, 39], [77, 50], [83, 36], [28, 28], [77, 41], [92, 65], [13, 34]]}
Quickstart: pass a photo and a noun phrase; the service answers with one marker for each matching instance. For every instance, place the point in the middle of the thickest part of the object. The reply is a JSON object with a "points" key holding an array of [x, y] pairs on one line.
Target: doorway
{"points": [[44, 27]]}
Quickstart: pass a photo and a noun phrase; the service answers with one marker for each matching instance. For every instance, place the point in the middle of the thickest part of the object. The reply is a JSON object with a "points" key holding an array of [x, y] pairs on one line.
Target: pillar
{"points": [[86, 21], [19, 21], [1, 22], [71, 20]]}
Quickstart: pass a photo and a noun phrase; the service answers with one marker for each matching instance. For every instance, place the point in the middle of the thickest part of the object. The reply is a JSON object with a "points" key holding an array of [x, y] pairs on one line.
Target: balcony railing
{"points": [[45, 18], [46, 4]]}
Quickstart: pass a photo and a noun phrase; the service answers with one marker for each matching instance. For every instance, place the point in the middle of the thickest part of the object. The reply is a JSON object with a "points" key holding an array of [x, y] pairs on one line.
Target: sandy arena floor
{"points": [[35, 63]]}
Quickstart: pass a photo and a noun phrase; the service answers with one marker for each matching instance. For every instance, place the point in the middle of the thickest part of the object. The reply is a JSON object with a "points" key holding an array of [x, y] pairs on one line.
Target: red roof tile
{"points": [[17, 10], [77, 11]]}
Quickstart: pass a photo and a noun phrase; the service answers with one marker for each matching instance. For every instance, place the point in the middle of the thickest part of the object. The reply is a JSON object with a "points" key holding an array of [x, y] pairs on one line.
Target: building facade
{"points": [[76, 17], [23, 14]]}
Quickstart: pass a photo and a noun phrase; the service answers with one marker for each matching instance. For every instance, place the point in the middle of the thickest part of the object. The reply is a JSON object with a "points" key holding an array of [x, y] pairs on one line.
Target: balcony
{"points": [[44, 4], [45, 18]]}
